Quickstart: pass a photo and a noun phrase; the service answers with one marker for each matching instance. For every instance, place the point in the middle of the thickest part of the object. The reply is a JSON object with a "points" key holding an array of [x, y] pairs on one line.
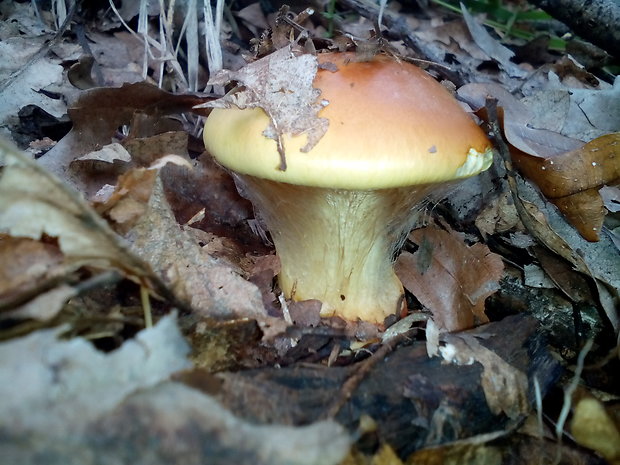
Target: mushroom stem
{"points": [[337, 245]]}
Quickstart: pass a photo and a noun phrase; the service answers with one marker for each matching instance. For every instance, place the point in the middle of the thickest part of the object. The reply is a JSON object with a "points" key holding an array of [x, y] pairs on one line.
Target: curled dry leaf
{"points": [[34, 203], [280, 84], [211, 287], [31, 262], [97, 115], [441, 275], [571, 180]]}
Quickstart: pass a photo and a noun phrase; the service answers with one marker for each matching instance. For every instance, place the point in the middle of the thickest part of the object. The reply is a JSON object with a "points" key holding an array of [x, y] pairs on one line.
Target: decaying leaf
{"points": [[599, 261], [280, 84], [429, 402], [515, 117], [74, 403], [31, 262], [571, 180], [65, 377], [449, 277], [182, 425], [212, 288], [492, 47], [505, 387], [97, 115], [567, 171], [43, 306], [33, 203], [579, 113]]}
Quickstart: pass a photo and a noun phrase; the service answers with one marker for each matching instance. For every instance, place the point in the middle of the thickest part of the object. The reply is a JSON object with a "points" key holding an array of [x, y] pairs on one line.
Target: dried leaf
{"points": [[31, 262], [33, 203], [212, 288], [585, 211], [492, 47], [584, 114], [184, 426], [69, 384], [597, 260], [505, 387], [515, 119], [440, 275], [25, 82], [593, 165], [572, 180], [280, 84], [98, 114], [44, 306]]}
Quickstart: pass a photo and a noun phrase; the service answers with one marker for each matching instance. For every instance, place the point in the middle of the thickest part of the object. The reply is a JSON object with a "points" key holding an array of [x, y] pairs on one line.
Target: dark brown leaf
{"points": [[449, 277]]}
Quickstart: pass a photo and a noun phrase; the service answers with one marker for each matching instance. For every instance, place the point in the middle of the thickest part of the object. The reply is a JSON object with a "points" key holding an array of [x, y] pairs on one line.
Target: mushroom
{"points": [[338, 213]]}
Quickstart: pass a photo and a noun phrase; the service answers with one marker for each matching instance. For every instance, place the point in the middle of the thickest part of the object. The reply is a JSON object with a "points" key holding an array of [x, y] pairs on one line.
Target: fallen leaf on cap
{"points": [[571, 180], [280, 84], [441, 275]]}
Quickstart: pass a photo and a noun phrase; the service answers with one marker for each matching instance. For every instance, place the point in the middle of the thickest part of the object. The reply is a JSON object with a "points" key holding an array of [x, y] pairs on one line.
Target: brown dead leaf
{"points": [[505, 387], [126, 205], [45, 305], [599, 261], [441, 275], [184, 426], [498, 216], [572, 180], [212, 288], [26, 262], [98, 114], [515, 117], [208, 186], [593, 165], [33, 204], [280, 84]]}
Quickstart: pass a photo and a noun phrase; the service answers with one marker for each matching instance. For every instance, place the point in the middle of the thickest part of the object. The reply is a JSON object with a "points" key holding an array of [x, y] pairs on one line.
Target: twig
{"points": [[364, 367], [595, 20], [570, 389]]}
